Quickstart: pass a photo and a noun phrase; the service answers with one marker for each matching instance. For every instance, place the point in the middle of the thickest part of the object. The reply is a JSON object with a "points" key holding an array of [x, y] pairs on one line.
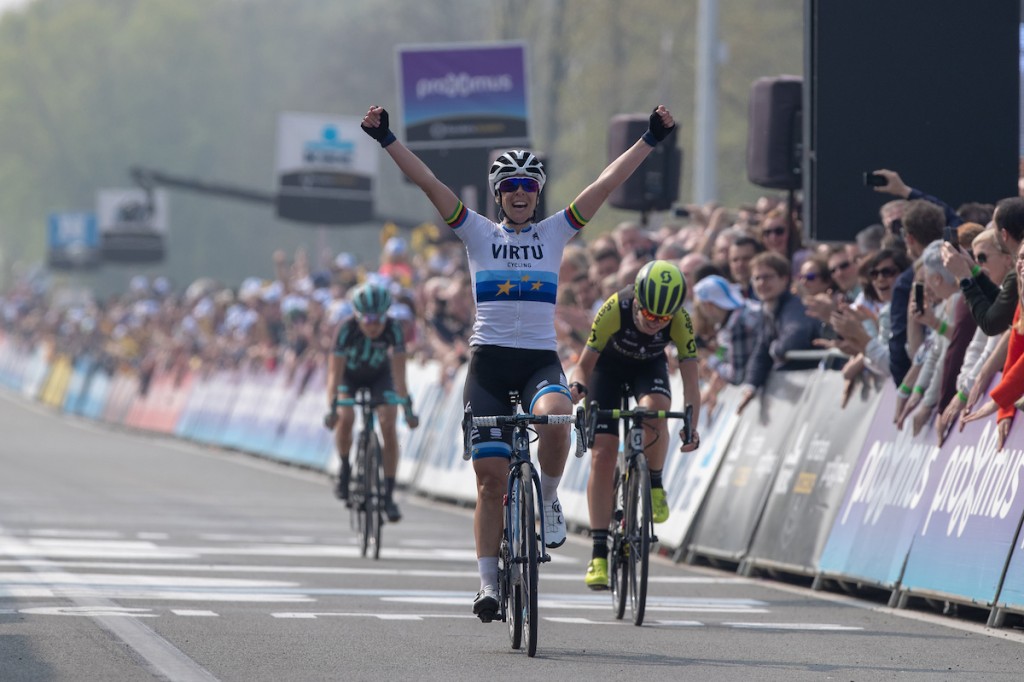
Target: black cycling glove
{"points": [[381, 133], [656, 130]]}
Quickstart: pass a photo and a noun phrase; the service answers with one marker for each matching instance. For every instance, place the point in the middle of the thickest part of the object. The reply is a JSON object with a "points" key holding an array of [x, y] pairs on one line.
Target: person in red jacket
{"points": [[1011, 386]]}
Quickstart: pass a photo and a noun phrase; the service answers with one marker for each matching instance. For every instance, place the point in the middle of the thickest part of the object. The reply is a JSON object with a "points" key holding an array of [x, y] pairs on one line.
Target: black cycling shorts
{"points": [[378, 382], [494, 373], [609, 377]]}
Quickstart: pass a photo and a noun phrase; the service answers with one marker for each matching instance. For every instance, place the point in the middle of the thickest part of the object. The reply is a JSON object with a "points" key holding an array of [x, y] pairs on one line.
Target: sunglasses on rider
{"points": [[654, 319], [776, 231], [371, 319], [512, 184], [883, 272]]}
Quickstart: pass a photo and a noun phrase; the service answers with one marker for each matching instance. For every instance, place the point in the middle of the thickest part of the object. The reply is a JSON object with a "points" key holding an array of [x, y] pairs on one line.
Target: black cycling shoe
{"points": [[485, 606], [341, 487], [392, 511]]}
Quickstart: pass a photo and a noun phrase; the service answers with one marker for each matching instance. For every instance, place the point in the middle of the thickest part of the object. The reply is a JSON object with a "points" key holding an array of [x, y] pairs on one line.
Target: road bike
{"points": [[632, 527], [523, 549], [367, 497]]}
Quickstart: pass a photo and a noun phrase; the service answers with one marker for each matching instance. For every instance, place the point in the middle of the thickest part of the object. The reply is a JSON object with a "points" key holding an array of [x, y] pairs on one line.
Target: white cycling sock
{"points": [[488, 566], [549, 487]]}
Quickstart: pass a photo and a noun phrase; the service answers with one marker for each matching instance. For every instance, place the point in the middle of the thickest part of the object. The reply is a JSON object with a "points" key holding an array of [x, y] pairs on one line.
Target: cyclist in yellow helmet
{"points": [[627, 346]]}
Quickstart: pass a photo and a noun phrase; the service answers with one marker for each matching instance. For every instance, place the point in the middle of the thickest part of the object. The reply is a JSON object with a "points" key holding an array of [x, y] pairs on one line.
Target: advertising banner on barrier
{"points": [[736, 500], [812, 479], [304, 440], [688, 476], [78, 386], [884, 503], [971, 518], [94, 402], [428, 396], [1011, 595], [444, 474]]}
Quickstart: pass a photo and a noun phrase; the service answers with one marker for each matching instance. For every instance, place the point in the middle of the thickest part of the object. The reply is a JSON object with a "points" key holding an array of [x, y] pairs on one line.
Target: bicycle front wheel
{"points": [[359, 495], [618, 553], [638, 515], [374, 496], [526, 551]]}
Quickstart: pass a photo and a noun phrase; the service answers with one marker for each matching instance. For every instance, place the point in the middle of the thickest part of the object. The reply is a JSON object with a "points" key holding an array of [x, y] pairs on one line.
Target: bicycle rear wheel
{"points": [[638, 515], [525, 551], [618, 553], [374, 495]]}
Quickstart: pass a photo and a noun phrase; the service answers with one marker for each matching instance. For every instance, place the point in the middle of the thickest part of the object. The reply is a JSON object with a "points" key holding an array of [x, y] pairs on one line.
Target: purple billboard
{"points": [[468, 96]]}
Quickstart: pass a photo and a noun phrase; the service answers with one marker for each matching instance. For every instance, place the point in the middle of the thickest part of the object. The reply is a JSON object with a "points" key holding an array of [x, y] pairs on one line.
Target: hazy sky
{"points": [[8, 4]]}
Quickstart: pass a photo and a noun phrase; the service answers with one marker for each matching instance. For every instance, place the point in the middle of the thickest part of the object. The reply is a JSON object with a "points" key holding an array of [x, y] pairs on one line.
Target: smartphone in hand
{"points": [[950, 235], [919, 297], [874, 180]]}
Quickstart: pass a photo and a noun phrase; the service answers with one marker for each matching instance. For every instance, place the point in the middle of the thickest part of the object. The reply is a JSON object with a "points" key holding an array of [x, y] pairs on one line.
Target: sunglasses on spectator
{"points": [[809, 276], [776, 231], [839, 266], [655, 319], [371, 319], [883, 272], [512, 184], [982, 258]]}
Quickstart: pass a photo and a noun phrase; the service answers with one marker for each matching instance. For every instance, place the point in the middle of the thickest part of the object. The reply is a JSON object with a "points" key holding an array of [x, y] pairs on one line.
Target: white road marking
{"points": [[82, 592], [790, 626], [88, 611], [195, 612], [165, 659], [338, 570], [311, 615], [581, 621]]}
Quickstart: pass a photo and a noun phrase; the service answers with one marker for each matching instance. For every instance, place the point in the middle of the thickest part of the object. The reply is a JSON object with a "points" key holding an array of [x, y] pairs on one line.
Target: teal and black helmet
{"points": [[371, 299]]}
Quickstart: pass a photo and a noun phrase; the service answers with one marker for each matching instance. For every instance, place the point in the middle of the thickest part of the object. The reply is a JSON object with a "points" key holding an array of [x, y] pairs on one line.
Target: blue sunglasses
{"points": [[512, 184]]}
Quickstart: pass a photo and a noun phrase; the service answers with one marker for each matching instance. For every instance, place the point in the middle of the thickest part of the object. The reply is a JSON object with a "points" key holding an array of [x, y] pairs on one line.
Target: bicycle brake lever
{"points": [[581, 439]]}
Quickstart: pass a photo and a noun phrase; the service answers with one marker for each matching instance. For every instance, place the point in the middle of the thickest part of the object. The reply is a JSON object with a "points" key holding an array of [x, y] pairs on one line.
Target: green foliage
{"points": [[89, 88]]}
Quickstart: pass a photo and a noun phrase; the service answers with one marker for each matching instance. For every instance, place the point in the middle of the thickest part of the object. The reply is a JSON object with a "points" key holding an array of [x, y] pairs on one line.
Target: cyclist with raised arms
{"points": [[627, 345], [369, 352], [514, 267]]}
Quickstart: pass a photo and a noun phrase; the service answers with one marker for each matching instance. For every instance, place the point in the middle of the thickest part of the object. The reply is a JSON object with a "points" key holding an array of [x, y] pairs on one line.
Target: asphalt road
{"points": [[129, 557]]}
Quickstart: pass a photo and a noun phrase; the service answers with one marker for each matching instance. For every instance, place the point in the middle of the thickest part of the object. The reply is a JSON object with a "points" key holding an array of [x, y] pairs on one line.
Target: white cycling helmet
{"points": [[517, 163]]}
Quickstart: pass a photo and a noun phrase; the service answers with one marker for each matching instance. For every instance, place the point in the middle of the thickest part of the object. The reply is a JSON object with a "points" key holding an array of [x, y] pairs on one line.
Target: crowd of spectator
{"points": [[758, 295]]}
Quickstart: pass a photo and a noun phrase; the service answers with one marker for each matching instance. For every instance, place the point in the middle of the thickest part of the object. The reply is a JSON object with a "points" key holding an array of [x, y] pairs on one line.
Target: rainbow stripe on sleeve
{"points": [[456, 219], [577, 221]]}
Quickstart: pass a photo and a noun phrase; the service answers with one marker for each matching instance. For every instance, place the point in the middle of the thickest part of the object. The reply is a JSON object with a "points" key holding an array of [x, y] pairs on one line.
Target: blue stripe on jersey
{"points": [[516, 285]]}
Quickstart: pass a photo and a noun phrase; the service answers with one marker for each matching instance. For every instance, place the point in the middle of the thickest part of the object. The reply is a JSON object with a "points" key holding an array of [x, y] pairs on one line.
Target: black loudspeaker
{"points": [[775, 133], [917, 100], [654, 186]]}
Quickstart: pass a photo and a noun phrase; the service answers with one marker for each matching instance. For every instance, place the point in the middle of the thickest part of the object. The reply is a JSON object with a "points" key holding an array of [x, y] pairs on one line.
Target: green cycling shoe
{"points": [[659, 505], [597, 574]]}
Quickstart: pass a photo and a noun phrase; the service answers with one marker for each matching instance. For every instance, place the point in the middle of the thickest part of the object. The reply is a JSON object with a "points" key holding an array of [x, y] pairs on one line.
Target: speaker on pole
{"points": [[775, 133], [654, 186]]}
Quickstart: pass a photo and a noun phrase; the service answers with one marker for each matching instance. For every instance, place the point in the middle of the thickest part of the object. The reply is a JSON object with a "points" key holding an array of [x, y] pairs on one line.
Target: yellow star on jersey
{"points": [[505, 288], [536, 285]]}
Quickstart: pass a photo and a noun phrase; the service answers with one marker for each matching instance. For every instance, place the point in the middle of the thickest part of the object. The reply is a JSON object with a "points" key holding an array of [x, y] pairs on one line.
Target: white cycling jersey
{"points": [[515, 276]]}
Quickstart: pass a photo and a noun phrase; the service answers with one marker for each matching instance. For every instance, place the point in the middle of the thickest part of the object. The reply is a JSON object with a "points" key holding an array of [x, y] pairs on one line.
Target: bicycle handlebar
{"points": [[594, 413], [517, 420]]}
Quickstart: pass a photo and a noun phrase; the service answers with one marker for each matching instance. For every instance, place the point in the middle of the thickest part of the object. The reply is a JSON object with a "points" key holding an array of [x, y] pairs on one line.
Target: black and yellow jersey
{"points": [[614, 331]]}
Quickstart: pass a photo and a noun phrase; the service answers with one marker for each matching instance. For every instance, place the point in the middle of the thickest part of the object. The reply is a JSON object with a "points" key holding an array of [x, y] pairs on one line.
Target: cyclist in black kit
{"points": [[369, 352]]}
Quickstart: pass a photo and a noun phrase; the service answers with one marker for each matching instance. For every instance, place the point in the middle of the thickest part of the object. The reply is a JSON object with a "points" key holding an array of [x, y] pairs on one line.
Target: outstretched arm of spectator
{"points": [[894, 185]]}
